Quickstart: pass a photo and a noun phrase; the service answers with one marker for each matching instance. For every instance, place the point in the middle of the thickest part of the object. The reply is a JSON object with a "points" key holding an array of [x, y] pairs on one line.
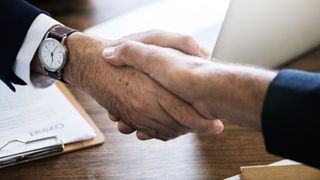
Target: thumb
{"points": [[108, 55], [135, 54]]}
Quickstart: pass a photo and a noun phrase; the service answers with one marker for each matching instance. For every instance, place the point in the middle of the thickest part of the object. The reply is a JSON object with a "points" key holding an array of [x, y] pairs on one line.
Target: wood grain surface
{"points": [[123, 156]]}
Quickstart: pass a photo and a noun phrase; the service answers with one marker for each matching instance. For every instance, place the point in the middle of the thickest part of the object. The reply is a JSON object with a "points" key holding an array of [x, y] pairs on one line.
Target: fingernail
{"points": [[108, 52], [219, 129]]}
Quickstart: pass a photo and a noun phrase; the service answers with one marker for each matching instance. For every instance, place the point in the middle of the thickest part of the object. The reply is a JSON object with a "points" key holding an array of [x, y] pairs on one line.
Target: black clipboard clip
{"points": [[54, 145]]}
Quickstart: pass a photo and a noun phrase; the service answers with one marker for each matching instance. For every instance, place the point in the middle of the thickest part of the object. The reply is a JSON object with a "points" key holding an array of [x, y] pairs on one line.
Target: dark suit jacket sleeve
{"points": [[16, 16], [291, 117]]}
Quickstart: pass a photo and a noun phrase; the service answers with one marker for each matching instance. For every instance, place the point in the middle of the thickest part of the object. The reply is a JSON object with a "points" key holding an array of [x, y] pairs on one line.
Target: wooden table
{"points": [[123, 156]]}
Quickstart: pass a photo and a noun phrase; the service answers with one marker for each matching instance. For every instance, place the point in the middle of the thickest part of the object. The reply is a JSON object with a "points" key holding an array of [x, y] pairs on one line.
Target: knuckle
{"points": [[164, 98], [176, 127], [150, 88], [188, 39], [139, 136], [182, 114], [140, 106], [164, 138], [151, 36], [161, 134], [190, 42], [125, 48], [131, 121], [184, 120], [174, 134], [155, 31], [168, 133]]}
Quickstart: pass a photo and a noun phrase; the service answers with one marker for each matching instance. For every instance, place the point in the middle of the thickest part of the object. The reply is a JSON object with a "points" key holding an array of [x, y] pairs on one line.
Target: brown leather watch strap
{"points": [[59, 32]]}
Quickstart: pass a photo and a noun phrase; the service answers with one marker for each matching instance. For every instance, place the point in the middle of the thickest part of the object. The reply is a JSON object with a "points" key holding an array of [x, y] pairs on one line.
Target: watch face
{"points": [[52, 54]]}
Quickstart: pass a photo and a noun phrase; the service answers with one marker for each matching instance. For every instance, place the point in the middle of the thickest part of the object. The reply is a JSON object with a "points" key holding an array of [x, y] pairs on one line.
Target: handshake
{"points": [[161, 84]]}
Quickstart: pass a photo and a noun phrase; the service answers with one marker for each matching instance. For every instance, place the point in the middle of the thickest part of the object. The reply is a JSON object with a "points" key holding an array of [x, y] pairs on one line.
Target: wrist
{"points": [[36, 66], [238, 92], [84, 60], [74, 44]]}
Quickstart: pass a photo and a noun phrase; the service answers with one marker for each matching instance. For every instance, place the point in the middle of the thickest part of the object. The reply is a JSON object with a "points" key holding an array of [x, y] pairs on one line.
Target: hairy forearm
{"points": [[83, 55], [237, 92], [85, 69], [83, 65], [110, 86]]}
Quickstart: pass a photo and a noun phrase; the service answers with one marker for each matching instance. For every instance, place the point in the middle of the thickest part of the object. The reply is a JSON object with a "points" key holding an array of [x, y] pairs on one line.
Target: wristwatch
{"points": [[53, 52]]}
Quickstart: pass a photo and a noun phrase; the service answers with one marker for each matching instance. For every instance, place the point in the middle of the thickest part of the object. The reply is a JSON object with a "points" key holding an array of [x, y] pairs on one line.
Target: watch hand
{"points": [[54, 49], [52, 53], [47, 49]]}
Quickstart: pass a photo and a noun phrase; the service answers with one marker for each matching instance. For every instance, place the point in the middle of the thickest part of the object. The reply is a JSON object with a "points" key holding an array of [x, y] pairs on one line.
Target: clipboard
{"points": [[57, 147]]}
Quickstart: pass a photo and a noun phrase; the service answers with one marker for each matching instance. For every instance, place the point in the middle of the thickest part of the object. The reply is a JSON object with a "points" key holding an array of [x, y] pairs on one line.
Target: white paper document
{"points": [[29, 114]]}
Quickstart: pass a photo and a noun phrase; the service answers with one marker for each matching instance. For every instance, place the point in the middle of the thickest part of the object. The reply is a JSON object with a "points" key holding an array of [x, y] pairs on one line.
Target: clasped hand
{"points": [[164, 103]]}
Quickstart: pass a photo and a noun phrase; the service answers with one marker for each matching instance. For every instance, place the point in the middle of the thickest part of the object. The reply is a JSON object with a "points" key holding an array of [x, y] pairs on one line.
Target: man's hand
{"points": [[139, 102], [160, 38], [215, 90]]}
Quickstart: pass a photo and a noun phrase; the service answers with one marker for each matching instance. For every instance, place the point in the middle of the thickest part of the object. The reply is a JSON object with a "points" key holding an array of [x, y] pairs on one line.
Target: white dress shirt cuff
{"points": [[35, 34]]}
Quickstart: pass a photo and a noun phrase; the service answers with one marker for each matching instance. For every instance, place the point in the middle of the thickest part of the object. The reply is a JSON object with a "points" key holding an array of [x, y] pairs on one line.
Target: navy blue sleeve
{"points": [[291, 117], [16, 16]]}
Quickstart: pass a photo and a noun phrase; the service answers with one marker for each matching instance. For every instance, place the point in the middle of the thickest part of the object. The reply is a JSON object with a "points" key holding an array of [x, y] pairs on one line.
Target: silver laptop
{"points": [[260, 32], [268, 32]]}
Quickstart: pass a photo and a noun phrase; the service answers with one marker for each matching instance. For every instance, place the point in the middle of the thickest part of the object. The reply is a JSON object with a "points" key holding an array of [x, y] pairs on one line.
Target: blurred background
{"points": [[82, 14]]}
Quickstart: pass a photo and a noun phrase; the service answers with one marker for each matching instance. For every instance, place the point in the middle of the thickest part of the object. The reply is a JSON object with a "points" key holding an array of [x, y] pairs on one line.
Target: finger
{"points": [[184, 43], [140, 56], [124, 128], [172, 128], [113, 117], [187, 116], [157, 128], [204, 53], [143, 136], [153, 127]]}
